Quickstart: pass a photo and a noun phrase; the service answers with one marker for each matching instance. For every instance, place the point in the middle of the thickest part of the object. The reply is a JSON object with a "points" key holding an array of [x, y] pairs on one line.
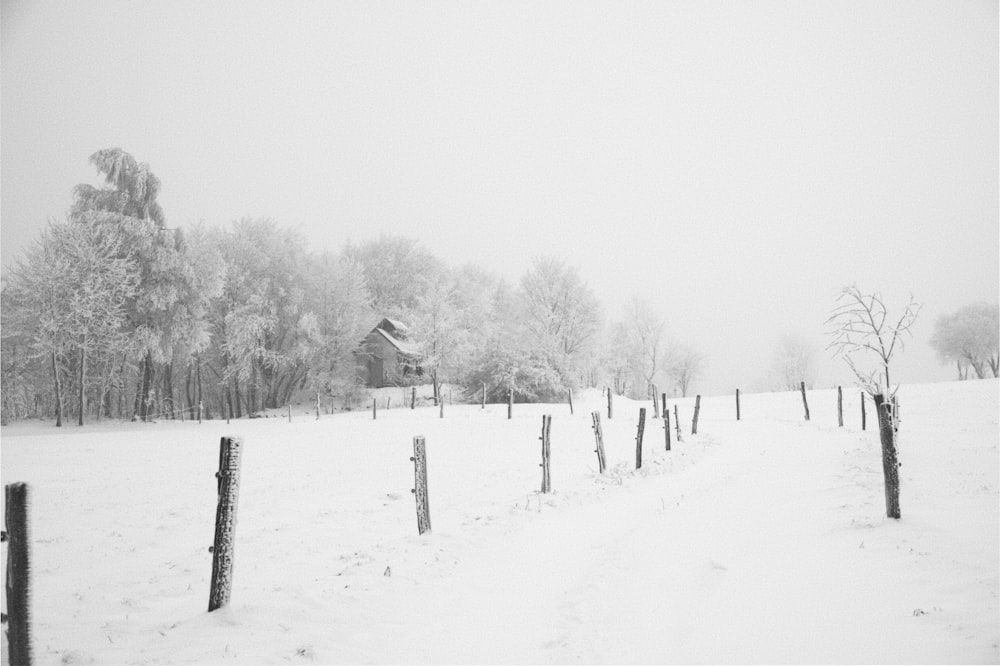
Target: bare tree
{"points": [[647, 337], [685, 364], [969, 337], [792, 362], [861, 327]]}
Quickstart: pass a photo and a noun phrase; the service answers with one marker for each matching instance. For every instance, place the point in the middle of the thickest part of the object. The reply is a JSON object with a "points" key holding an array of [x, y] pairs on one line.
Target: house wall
{"points": [[377, 347]]}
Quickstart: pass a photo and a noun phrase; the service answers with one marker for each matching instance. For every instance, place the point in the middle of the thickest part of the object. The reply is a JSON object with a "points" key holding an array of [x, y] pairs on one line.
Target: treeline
{"points": [[114, 314]]}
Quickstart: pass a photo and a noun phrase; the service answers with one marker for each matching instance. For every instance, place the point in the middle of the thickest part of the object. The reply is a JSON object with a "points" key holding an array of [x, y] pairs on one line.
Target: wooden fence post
{"points": [[388, 398], [510, 403], [805, 402], [863, 415], [610, 404], [697, 409], [18, 585], [840, 408], [228, 484], [569, 395], [413, 397], [638, 437], [666, 428], [317, 405], [546, 452], [599, 438], [677, 424], [441, 407], [737, 404], [656, 404], [663, 399], [420, 491], [890, 460], [374, 408]]}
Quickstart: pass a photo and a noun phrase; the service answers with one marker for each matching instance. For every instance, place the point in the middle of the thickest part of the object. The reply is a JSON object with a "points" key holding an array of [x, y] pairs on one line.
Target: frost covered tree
{"points": [[561, 314], [866, 336], [685, 363], [647, 329], [968, 337], [69, 295], [792, 362], [397, 270]]}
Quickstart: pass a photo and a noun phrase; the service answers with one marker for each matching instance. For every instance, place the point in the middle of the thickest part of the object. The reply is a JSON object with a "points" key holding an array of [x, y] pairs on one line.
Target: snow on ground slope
{"points": [[762, 540]]}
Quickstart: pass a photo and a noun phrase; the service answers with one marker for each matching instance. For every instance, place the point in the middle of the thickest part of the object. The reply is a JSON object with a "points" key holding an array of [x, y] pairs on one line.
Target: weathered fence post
{"points": [[697, 409], [546, 452], [638, 437], [677, 424], [805, 402], [599, 438], [890, 461], [656, 404], [374, 408], [610, 404], [569, 395], [441, 407], [663, 399], [228, 484], [864, 417], [388, 398], [420, 491], [317, 405], [840, 408], [18, 585], [666, 427], [510, 403], [737, 404]]}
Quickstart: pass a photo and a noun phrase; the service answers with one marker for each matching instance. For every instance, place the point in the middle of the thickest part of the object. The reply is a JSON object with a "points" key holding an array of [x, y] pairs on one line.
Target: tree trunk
{"points": [[890, 462], [188, 398], [83, 384], [55, 376], [168, 387]]}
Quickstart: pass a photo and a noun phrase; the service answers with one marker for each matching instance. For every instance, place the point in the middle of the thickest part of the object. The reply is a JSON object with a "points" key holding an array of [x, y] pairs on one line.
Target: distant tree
{"points": [[132, 192], [861, 328], [968, 337], [792, 362], [397, 270], [648, 329], [685, 363], [561, 314]]}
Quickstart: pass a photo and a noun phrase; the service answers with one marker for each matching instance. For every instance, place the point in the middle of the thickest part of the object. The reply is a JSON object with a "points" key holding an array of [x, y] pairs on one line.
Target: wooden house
{"points": [[387, 358]]}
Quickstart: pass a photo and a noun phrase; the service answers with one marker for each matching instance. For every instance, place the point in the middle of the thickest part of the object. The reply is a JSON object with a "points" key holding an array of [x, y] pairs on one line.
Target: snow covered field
{"points": [[762, 540]]}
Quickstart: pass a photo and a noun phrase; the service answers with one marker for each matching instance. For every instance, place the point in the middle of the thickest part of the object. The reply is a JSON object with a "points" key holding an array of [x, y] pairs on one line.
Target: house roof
{"points": [[405, 348]]}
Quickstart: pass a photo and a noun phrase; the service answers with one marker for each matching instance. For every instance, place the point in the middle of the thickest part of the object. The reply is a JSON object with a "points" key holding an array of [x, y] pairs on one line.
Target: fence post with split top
{"points": [[638, 437], [599, 438], [546, 452], [420, 490]]}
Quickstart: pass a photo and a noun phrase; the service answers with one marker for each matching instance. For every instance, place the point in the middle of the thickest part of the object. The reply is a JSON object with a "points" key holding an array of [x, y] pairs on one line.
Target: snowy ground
{"points": [[762, 540]]}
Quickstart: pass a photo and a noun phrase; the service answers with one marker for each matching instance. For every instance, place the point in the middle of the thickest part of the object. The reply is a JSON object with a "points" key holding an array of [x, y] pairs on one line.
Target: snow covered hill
{"points": [[762, 540]]}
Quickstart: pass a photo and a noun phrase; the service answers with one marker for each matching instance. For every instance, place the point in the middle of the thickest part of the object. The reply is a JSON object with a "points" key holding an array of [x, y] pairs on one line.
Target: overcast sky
{"points": [[735, 163]]}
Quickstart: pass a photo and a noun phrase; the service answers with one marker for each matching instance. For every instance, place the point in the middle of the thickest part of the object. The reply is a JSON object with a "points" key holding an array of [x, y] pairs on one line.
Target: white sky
{"points": [[735, 163]]}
